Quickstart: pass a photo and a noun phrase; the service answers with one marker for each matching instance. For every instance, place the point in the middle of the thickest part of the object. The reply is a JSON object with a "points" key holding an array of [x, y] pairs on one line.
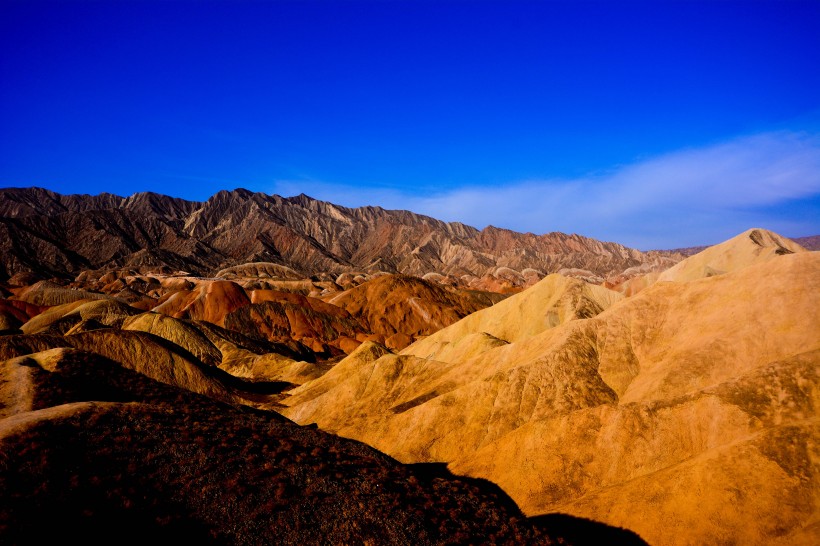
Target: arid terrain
{"points": [[256, 369]]}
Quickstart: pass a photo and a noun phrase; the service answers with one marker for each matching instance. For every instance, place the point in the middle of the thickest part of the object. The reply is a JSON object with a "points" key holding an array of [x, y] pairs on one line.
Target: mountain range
{"points": [[62, 235]]}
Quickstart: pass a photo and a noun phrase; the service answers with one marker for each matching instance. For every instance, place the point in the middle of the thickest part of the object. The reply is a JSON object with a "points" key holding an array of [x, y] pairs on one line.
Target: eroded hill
{"points": [[686, 413], [129, 426], [681, 405]]}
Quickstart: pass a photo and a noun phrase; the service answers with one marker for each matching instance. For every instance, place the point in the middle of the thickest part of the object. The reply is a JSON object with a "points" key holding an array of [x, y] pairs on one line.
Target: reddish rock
{"points": [[397, 342]]}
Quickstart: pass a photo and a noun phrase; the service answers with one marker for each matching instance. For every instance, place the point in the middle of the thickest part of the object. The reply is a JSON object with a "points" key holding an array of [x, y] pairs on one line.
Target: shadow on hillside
{"points": [[101, 523], [574, 530], [248, 386], [586, 531]]}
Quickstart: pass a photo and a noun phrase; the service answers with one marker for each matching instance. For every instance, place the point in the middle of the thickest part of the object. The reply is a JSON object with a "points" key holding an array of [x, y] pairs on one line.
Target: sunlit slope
{"points": [[750, 247], [686, 413], [551, 302], [464, 386]]}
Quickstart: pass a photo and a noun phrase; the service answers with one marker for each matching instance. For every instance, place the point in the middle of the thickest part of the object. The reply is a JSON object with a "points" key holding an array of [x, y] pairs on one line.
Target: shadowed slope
{"points": [[146, 461], [142, 352], [14, 313], [276, 316]]}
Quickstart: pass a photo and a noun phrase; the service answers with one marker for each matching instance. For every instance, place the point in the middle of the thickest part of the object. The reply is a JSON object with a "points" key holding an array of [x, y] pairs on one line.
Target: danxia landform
{"points": [[258, 369]]}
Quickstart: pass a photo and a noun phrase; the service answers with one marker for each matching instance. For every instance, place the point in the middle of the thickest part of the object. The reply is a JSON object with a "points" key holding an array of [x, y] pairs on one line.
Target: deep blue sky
{"points": [[527, 115]]}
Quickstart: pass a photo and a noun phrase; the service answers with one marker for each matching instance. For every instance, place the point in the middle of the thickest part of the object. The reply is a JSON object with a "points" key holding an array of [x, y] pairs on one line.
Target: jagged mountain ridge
{"points": [[47, 232]]}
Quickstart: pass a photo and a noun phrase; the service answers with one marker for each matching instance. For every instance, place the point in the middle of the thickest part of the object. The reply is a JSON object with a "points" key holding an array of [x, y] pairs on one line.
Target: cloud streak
{"points": [[688, 197]]}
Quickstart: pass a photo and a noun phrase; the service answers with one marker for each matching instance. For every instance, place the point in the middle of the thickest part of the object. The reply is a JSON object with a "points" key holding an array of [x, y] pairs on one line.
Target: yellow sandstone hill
{"points": [[139, 351], [552, 301], [686, 413], [749, 248]]}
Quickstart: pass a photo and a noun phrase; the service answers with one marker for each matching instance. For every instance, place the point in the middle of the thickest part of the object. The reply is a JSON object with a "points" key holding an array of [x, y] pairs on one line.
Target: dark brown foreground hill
{"points": [[94, 452]]}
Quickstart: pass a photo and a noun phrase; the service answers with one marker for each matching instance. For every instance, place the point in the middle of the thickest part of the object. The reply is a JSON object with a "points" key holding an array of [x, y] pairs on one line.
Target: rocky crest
{"points": [[60, 235]]}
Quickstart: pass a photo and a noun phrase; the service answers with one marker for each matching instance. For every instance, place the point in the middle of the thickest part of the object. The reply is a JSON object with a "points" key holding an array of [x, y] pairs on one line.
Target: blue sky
{"points": [[655, 124]]}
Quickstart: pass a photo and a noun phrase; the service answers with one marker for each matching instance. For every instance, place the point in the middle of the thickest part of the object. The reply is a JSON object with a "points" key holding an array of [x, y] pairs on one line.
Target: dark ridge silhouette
{"points": [[575, 530], [115, 457], [429, 472]]}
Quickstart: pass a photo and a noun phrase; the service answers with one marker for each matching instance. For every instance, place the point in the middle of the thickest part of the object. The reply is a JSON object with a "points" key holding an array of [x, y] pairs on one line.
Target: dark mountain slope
{"points": [[106, 454]]}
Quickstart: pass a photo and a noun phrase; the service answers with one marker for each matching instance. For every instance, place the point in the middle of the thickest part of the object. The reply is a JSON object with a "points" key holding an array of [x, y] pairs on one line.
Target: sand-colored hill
{"points": [[686, 413], [252, 359], [353, 396], [60, 318], [749, 248], [175, 350], [733, 463], [552, 301], [178, 332], [139, 351], [289, 329], [47, 293]]}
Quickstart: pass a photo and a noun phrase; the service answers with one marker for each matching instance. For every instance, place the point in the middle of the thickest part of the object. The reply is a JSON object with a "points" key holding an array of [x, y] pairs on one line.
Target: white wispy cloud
{"points": [[692, 196]]}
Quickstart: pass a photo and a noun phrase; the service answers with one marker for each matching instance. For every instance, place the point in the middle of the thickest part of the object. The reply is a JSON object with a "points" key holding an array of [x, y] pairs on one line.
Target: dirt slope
{"points": [[688, 408]]}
